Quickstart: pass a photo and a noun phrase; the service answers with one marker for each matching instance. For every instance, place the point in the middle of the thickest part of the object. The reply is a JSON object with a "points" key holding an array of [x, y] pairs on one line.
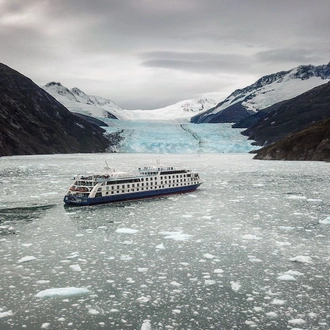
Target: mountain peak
{"points": [[266, 91], [77, 91], [53, 83]]}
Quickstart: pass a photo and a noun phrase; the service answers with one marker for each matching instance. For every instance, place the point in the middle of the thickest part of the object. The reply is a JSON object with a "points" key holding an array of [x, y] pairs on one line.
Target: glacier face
{"points": [[162, 137]]}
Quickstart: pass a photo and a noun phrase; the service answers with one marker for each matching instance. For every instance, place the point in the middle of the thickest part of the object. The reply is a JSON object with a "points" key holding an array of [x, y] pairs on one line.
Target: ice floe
{"points": [[26, 259], [302, 259], [69, 291], [325, 221], [235, 286], [126, 231], [286, 278], [176, 236], [6, 314]]}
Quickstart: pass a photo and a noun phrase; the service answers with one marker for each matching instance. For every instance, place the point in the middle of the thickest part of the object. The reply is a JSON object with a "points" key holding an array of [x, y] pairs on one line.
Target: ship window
{"points": [[117, 187], [146, 179], [123, 191]]}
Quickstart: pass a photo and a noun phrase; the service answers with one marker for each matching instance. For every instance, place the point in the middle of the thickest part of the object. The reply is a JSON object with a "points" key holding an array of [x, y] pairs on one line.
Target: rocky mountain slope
{"points": [[264, 93], [291, 116], [312, 143], [33, 122]]}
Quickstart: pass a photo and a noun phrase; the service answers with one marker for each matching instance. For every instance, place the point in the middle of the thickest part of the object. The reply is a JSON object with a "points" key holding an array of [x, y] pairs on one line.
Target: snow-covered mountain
{"points": [[265, 92], [180, 112], [77, 101]]}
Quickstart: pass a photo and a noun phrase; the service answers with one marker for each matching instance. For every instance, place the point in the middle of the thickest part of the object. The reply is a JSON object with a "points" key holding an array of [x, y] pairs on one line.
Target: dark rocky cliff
{"points": [[33, 122], [312, 143]]}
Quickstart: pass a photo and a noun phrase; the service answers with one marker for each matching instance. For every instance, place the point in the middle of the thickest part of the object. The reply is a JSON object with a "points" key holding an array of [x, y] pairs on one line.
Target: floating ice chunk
{"points": [[187, 216], [302, 259], [254, 259], [250, 236], [125, 258], [45, 325], [93, 311], [142, 270], [209, 282], [160, 246], [297, 321], [278, 302], [271, 315], [146, 325], [42, 281], [126, 231], [293, 272], [297, 197], [218, 271], [69, 291], [178, 236], [176, 311], [174, 283], [257, 309], [26, 259], [286, 228], [26, 244], [208, 256], [282, 243], [143, 300], [6, 314], [326, 221], [235, 285], [75, 268], [286, 278], [73, 255]]}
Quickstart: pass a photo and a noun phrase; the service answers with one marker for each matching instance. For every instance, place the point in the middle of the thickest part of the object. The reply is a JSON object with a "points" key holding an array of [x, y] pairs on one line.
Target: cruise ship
{"points": [[112, 186]]}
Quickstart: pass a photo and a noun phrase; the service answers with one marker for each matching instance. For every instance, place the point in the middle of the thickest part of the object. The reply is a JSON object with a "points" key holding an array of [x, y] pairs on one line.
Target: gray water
{"points": [[248, 250]]}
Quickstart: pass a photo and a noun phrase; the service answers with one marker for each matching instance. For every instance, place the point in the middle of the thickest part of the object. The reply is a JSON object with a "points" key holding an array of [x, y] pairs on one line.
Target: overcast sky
{"points": [[145, 54]]}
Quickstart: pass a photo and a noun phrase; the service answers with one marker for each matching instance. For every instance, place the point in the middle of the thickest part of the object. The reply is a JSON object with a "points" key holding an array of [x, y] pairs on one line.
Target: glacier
{"points": [[175, 138]]}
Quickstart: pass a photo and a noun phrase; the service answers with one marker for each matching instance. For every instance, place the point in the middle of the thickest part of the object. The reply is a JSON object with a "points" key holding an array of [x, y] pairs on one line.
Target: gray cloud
{"points": [[197, 62], [111, 47]]}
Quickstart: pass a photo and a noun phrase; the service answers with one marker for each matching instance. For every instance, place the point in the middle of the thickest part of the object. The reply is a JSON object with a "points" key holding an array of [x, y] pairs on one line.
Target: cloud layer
{"points": [[148, 54]]}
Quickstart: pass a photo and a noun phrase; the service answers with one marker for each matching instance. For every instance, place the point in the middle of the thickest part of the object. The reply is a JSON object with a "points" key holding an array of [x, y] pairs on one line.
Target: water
{"points": [[244, 251]]}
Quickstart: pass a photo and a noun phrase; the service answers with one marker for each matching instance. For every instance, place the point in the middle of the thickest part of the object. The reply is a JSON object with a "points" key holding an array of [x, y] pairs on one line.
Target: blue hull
{"points": [[80, 201]]}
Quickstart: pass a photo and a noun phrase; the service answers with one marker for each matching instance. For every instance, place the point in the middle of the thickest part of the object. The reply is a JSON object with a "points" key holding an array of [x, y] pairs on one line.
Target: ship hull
{"points": [[81, 201]]}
